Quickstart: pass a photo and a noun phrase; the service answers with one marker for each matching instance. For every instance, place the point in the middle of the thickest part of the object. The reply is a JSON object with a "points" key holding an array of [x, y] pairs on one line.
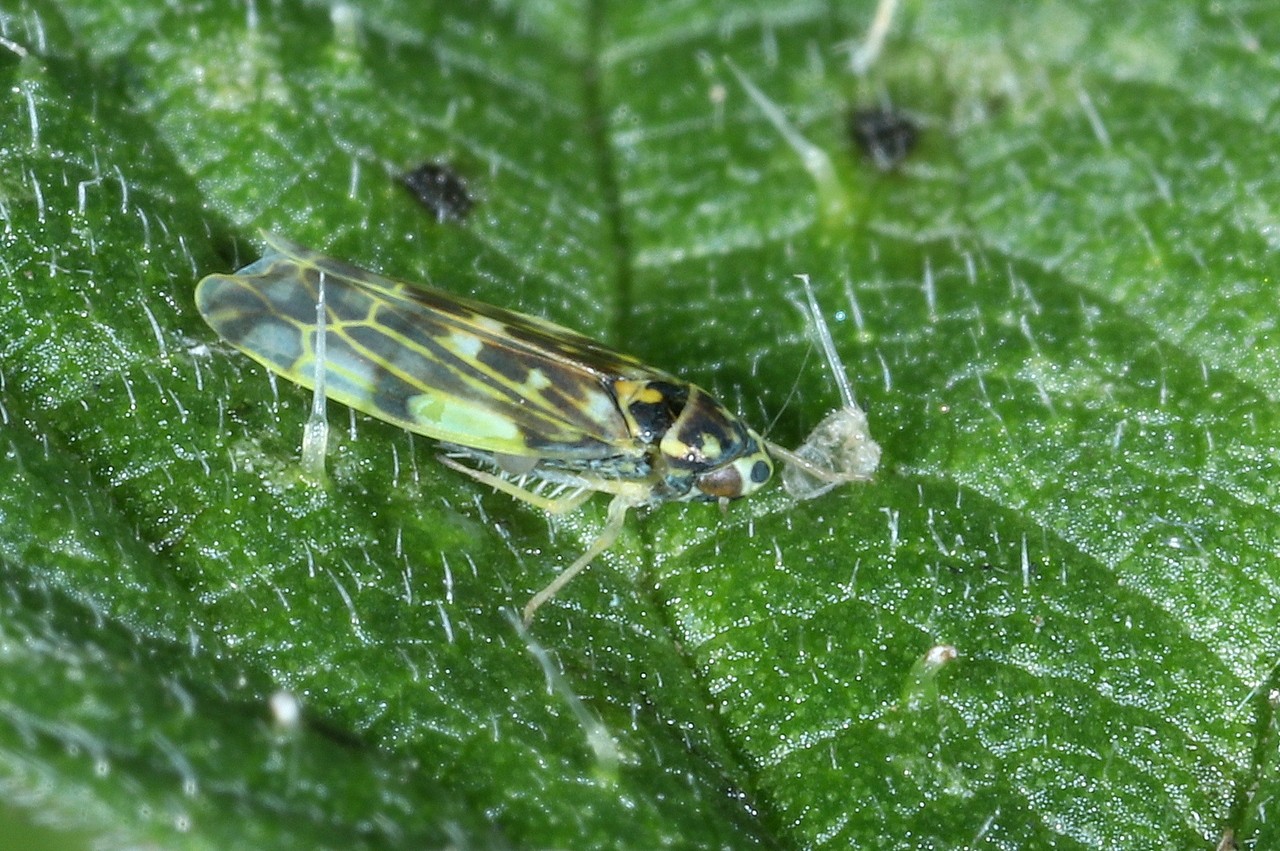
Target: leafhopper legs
{"points": [[613, 525], [622, 500], [549, 504]]}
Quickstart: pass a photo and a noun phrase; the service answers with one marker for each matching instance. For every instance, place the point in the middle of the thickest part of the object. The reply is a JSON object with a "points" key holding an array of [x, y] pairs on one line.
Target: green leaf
{"points": [[1059, 312]]}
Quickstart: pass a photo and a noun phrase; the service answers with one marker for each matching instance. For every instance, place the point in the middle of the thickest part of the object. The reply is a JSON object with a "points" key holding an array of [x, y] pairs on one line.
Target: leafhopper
{"points": [[533, 409]]}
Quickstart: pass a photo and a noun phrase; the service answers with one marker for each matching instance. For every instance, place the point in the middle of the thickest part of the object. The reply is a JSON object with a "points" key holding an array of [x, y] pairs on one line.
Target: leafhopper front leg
{"points": [[613, 525], [555, 505]]}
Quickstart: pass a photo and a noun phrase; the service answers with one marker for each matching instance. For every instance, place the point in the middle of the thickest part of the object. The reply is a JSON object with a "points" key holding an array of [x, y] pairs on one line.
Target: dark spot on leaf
{"points": [[883, 134], [441, 190]]}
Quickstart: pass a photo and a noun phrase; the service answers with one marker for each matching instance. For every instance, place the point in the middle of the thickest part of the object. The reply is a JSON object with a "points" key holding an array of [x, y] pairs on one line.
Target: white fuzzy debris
{"points": [[840, 449], [286, 710], [939, 655]]}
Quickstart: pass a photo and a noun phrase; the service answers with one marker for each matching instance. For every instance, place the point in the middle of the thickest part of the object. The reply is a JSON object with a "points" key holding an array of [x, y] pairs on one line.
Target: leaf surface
{"points": [[1059, 312]]}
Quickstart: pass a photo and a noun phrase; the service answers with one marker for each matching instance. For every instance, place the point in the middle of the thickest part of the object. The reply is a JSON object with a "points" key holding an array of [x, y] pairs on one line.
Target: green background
{"points": [[1060, 313]]}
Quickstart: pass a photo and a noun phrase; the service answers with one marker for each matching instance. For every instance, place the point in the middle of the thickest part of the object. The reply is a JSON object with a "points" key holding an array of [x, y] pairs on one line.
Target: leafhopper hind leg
{"points": [[549, 504], [555, 505]]}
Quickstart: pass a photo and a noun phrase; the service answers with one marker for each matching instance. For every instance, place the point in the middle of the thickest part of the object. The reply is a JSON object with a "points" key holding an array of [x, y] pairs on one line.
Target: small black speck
{"points": [[884, 134], [439, 188]]}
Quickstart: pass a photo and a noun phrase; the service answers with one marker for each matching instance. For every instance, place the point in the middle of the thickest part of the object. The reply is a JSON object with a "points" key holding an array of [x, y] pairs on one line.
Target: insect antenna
{"points": [[791, 394]]}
